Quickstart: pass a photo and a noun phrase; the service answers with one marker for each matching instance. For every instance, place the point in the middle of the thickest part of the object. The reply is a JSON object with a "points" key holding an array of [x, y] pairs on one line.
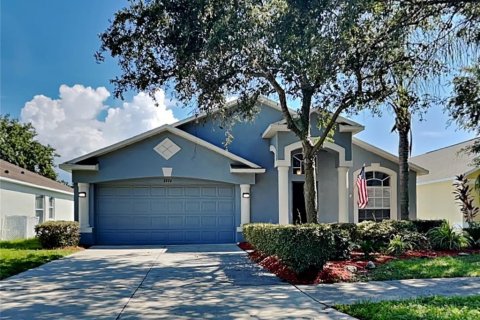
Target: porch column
{"points": [[244, 204], [283, 194], [342, 194], [84, 208]]}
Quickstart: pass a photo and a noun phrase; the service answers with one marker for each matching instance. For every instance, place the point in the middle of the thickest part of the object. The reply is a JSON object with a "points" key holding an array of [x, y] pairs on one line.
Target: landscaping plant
{"points": [[446, 237], [303, 248], [474, 232], [464, 198], [58, 234], [398, 245]]}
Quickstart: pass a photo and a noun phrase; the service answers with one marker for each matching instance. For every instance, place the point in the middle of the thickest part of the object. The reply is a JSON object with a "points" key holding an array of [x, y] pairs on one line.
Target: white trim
{"points": [[274, 128], [34, 185], [83, 167], [246, 170], [84, 208], [283, 191], [384, 154], [244, 204], [436, 181], [165, 128], [167, 172], [353, 129], [326, 145], [393, 190], [342, 176]]}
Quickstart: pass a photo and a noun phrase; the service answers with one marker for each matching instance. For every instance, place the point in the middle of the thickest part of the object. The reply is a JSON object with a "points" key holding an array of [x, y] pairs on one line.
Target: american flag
{"points": [[362, 189]]}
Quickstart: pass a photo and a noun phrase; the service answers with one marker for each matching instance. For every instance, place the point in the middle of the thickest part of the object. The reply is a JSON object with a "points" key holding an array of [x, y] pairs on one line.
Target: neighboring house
{"points": [[435, 198], [27, 198], [178, 184]]}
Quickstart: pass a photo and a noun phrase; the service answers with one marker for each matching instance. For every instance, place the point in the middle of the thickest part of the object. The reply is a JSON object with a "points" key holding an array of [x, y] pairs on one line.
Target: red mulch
{"points": [[335, 271]]}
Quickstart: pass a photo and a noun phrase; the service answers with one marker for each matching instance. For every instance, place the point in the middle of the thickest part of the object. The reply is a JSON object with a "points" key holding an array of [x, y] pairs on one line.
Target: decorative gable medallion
{"points": [[167, 148]]}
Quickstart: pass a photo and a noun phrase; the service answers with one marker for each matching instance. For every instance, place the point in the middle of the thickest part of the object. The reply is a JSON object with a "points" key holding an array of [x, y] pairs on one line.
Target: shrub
{"points": [[57, 234], [303, 248], [423, 226], [446, 237], [345, 235], [398, 245], [377, 233], [418, 240], [474, 232]]}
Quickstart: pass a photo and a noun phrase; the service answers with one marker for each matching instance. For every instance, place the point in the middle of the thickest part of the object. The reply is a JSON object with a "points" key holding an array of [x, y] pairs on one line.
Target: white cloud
{"points": [[71, 123]]}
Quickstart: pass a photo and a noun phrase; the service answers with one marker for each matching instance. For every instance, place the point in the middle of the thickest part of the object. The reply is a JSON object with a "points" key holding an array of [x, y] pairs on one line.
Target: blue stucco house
{"points": [[178, 184]]}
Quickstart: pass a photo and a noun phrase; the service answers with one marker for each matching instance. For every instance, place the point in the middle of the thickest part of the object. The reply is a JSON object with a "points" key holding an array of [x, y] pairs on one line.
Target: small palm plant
{"points": [[398, 245], [447, 238]]}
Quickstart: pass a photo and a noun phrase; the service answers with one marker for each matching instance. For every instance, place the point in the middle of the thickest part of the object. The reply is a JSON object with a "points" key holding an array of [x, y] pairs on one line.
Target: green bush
{"points": [[378, 234], [446, 237], [303, 248], [474, 232], [423, 226], [58, 234], [398, 245], [345, 235], [419, 241]]}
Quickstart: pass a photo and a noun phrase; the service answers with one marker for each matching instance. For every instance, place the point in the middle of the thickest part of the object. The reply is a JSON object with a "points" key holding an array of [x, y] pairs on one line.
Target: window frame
{"points": [[51, 208], [393, 189], [41, 216], [302, 164]]}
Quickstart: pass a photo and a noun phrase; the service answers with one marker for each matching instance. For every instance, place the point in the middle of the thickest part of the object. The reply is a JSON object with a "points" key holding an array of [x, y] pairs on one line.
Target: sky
{"points": [[49, 77]]}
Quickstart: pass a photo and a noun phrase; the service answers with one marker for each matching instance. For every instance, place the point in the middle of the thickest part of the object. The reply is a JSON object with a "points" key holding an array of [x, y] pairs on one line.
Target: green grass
{"points": [[19, 255], [431, 308], [442, 267]]}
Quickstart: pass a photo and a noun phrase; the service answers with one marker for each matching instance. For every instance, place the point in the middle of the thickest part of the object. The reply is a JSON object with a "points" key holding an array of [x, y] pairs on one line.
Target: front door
{"points": [[299, 214]]}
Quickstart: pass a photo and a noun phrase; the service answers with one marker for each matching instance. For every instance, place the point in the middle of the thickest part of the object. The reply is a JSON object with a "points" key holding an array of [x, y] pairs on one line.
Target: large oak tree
{"points": [[331, 56]]}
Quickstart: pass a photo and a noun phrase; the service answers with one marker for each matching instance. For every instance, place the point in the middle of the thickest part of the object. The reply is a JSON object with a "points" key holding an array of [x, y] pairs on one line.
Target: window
{"points": [[40, 208], [297, 164], [51, 208], [378, 189]]}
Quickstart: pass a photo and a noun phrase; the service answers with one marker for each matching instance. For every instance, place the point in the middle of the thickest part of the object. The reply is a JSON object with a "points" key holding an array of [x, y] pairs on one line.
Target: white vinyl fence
{"points": [[17, 227]]}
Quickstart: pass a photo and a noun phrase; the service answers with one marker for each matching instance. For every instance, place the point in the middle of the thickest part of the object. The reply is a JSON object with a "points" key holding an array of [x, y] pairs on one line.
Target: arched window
{"points": [[379, 197], [297, 163]]}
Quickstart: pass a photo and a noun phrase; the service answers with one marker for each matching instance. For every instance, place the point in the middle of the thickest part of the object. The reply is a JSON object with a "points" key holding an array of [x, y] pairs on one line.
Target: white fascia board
{"points": [[274, 128], [247, 170], [387, 155], [350, 128], [450, 179], [34, 185], [81, 167]]}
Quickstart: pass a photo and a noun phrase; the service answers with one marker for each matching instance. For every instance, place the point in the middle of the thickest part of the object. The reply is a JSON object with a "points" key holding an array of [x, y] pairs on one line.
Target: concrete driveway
{"points": [[181, 282]]}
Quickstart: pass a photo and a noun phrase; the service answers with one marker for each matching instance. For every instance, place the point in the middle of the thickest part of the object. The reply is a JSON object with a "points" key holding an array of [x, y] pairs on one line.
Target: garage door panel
{"points": [[192, 222], [192, 206], [225, 192], [209, 206], [209, 191], [225, 221], [165, 215], [225, 206], [158, 191]]}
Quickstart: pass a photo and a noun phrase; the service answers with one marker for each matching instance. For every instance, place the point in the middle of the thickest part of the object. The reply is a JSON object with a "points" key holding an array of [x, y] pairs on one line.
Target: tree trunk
{"points": [[403, 153], [310, 186]]}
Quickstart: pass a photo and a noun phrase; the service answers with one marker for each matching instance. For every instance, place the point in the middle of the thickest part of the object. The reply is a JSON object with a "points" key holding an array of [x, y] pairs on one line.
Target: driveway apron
{"points": [[176, 282]]}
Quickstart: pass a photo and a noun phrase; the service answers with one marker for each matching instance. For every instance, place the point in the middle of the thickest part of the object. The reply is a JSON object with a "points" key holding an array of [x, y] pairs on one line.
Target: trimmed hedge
{"points": [[423, 226], [474, 233], [58, 234], [304, 248]]}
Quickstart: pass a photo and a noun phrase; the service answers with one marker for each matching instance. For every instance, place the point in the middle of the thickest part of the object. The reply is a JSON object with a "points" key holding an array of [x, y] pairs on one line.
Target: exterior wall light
{"points": [[82, 194], [299, 172], [245, 195]]}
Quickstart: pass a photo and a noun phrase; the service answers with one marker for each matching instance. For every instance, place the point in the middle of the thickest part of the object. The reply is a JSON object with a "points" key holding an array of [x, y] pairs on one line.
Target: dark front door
{"points": [[298, 203]]}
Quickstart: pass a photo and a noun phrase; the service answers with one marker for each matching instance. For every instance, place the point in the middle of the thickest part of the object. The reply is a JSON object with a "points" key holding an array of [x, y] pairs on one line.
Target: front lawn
{"points": [[19, 255], [438, 308], [422, 268]]}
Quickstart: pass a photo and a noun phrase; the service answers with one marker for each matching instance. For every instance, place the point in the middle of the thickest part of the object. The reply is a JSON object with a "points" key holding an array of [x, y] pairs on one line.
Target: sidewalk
{"points": [[349, 293]]}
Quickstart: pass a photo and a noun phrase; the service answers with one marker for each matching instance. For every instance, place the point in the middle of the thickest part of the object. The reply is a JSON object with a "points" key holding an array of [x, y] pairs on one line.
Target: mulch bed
{"points": [[336, 271]]}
